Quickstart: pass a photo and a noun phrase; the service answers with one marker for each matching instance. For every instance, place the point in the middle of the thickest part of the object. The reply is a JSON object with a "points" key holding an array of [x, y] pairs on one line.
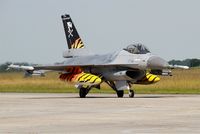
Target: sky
{"points": [[32, 30]]}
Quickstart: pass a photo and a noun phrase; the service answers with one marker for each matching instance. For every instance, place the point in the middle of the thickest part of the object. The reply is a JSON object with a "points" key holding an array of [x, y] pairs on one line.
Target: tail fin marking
{"points": [[73, 39]]}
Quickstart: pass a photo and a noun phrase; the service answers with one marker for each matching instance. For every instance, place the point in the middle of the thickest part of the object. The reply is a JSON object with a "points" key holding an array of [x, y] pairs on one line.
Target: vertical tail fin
{"points": [[73, 39]]}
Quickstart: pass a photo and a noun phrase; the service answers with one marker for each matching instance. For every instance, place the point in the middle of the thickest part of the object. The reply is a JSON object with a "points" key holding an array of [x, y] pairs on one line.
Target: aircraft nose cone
{"points": [[155, 62]]}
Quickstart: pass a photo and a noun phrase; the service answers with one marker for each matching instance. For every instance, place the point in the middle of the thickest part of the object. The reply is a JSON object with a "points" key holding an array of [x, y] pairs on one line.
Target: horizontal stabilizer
{"points": [[76, 52]]}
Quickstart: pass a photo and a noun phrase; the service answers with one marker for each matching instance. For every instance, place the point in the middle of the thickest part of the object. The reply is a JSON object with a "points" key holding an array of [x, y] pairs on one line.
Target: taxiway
{"points": [[99, 113]]}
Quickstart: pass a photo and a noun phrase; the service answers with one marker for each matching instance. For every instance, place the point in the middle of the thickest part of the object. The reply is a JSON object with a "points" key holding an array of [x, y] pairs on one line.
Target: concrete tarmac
{"points": [[25, 113]]}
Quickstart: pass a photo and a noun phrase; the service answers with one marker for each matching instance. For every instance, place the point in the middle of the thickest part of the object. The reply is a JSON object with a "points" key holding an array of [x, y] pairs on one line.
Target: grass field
{"points": [[182, 82]]}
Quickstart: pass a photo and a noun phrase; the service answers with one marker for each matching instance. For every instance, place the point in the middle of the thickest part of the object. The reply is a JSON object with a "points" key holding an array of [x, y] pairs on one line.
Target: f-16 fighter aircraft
{"points": [[134, 64]]}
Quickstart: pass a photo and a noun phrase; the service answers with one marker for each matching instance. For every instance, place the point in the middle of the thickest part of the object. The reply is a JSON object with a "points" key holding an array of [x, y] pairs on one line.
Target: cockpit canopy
{"points": [[137, 49]]}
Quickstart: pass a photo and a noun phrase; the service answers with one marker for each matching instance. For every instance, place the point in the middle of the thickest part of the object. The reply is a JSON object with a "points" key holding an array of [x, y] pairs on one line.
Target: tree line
{"points": [[186, 62]]}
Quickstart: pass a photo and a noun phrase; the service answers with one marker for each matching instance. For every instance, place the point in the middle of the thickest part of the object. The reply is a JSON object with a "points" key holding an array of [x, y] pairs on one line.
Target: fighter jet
{"points": [[134, 64]]}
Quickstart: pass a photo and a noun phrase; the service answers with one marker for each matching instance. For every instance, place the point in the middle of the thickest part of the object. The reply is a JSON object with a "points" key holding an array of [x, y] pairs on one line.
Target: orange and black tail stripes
{"points": [[77, 44], [73, 39]]}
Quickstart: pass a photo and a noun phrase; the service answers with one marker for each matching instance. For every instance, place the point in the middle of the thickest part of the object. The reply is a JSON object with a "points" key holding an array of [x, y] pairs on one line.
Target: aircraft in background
{"points": [[134, 64]]}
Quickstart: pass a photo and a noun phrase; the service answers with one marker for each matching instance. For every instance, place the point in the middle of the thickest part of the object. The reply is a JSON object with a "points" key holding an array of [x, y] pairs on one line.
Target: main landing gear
{"points": [[119, 89], [83, 92], [131, 93], [120, 86], [120, 93]]}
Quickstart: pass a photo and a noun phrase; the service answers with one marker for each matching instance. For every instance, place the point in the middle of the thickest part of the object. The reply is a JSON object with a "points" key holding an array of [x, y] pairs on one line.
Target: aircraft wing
{"points": [[64, 67], [61, 67]]}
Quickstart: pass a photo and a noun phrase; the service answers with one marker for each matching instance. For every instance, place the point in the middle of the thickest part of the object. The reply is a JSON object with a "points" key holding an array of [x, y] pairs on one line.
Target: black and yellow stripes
{"points": [[151, 77], [148, 79], [88, 78], [85, 78], [77, 44]]}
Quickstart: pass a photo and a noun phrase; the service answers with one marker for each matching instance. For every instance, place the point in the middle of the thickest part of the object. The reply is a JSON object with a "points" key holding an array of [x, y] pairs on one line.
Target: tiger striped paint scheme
{"points": [[77, 44], [148, 79], [77, 75]]}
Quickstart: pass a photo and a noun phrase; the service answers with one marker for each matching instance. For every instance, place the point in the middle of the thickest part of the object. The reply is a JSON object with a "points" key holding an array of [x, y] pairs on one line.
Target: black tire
{"points": [[120, 93], [131, 94], [83, 92]]}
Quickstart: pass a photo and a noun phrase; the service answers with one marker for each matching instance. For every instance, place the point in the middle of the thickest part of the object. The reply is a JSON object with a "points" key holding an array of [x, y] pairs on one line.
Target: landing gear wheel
{"points": [[120, 93], [83, 92], [131, 93]]}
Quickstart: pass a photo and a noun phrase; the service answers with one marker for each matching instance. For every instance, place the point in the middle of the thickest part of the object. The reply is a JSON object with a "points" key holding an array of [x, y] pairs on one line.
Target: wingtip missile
{"points": [[12, 66], [178, 66]]}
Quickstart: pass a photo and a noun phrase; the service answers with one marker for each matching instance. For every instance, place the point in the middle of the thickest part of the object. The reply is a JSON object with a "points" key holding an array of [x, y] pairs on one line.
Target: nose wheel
{"points": [[131, 94]]}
